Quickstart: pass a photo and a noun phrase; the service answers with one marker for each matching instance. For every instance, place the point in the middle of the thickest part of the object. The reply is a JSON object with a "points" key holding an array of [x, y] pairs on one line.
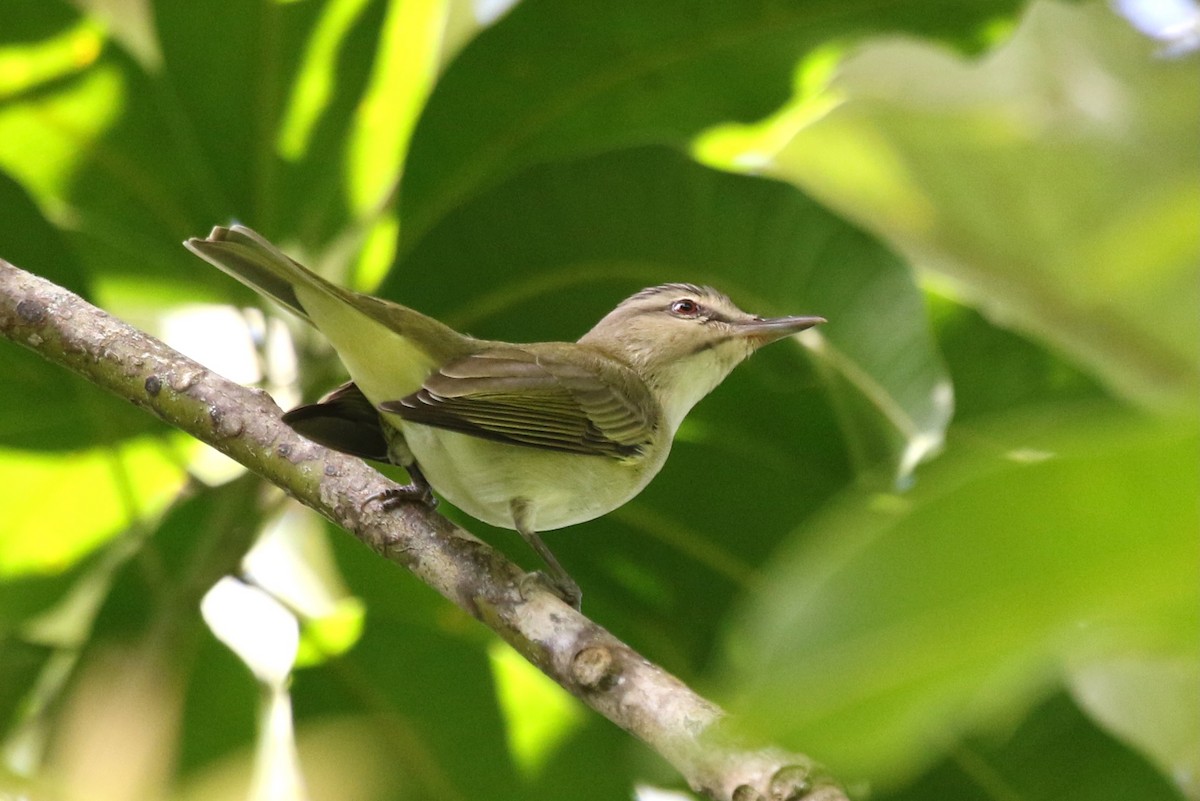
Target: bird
{"points": [[531, 437]]}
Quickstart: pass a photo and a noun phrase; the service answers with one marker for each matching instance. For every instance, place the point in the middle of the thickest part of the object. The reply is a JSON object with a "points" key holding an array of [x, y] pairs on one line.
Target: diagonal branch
{"points": [[244, 424]]}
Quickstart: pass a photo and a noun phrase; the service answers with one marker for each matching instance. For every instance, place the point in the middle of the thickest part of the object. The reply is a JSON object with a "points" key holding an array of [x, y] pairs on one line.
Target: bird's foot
{"points": [[392, 497], [565, 587]]}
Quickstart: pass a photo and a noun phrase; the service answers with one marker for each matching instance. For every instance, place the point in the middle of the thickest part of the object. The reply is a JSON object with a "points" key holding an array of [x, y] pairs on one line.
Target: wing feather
{"points": [[535, 397]]}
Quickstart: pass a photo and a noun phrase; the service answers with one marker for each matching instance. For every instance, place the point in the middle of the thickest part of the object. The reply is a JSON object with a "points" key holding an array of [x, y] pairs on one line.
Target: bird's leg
{"points": [[418, 489], [559, 580]]}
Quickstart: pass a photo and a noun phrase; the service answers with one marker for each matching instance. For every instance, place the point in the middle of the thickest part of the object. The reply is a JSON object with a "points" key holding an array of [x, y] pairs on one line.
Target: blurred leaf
{"points": [[34, 20], [1137, 696], [415, 681], [539, 715], [208, 50], [1053, 183], [415, 39], [61, 100], [144, 155], [46, 407], [124, 692], [421, 676], [131, 23], [25, 596], [28, 240], [994, 369], [897, 622], [380, 584], [333, 93], [201, 538], [194, 141], [1056, 754], [83, 497], [21, 663], [626, 763], [219, 711], [559, 80]]}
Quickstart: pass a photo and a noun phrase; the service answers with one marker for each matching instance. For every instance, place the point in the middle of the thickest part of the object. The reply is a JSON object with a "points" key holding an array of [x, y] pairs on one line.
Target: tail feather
{"points": [[388, 349], [254, 261]]}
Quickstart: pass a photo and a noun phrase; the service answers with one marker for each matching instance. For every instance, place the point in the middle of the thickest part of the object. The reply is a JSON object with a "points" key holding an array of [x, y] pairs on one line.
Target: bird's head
{"points": [[683, 340]]}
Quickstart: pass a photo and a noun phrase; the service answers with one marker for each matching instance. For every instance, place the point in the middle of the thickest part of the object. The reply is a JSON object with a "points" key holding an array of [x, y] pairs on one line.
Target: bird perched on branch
{"points": [[530, 437]]}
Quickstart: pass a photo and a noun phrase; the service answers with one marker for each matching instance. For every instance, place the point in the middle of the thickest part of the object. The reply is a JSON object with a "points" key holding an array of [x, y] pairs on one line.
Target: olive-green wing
{"points": [[537, 397]]}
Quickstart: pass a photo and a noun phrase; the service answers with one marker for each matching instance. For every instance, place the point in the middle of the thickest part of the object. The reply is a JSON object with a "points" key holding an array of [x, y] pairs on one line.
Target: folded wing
{"points": [[532, 396]]}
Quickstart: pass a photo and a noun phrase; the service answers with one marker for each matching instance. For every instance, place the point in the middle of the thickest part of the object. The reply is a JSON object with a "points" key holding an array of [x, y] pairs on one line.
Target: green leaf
{"points": [[1059, 536], [559, 80], [49, 409], [200, 539], [89, 495], [21, 663], [1053, 186], [133, 633], [393, 688], [996, 370], [25, 596], [32, 20], [219, 710], [144, 154], [45, 407], [1056, 754], [1137, 696], [28, 240]]}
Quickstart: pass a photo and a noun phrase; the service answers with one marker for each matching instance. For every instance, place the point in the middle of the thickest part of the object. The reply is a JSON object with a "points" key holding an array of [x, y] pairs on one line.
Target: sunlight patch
{"points": [[538, 714]]}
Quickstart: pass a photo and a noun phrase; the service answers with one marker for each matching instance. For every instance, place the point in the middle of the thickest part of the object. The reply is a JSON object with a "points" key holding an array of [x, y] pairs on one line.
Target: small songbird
{"points": [[530, 437]]}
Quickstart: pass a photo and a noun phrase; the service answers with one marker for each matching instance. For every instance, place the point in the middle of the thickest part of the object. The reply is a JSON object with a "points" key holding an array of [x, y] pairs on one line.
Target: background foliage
{"points": [[947, 545]]}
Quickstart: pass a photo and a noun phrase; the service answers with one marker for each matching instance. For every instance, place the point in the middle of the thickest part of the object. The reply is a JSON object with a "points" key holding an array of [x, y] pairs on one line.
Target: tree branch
{"points": [[244, 424]]}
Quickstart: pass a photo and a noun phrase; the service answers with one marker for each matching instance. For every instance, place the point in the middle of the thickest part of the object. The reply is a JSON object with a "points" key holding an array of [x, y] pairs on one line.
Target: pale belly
{"points": [[483, 477]]}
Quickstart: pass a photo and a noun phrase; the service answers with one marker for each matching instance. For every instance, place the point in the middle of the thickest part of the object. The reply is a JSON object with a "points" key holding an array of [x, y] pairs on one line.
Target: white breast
{"points": [[483, 477]]}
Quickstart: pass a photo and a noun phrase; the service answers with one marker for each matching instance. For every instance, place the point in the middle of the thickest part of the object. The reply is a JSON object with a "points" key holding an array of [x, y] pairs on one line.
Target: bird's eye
{"points": [[685, 307]]}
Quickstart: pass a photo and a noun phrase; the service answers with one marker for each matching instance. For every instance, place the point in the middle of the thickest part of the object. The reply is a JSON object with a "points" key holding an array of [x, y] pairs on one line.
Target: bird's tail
{"points": [[389, 349], [244, 254]]}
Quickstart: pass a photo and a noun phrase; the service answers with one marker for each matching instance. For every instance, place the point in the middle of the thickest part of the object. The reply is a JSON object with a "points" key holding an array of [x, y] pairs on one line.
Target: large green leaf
{"points": [[33, 20], [996, 369], [44, 407], [83, 497], [1137, 696], [1053, 183], [1050, 539], [196, 141], [1056, 754], [554, 80], [232, 111]]}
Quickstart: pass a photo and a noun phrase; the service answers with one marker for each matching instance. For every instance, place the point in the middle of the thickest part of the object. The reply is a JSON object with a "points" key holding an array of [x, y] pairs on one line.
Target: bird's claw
{"points": [[392, 497], [565, 589]]}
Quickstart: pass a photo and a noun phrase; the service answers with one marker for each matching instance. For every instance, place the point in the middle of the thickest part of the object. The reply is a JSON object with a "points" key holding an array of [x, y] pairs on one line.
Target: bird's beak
{"points": [[762, 331]]}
